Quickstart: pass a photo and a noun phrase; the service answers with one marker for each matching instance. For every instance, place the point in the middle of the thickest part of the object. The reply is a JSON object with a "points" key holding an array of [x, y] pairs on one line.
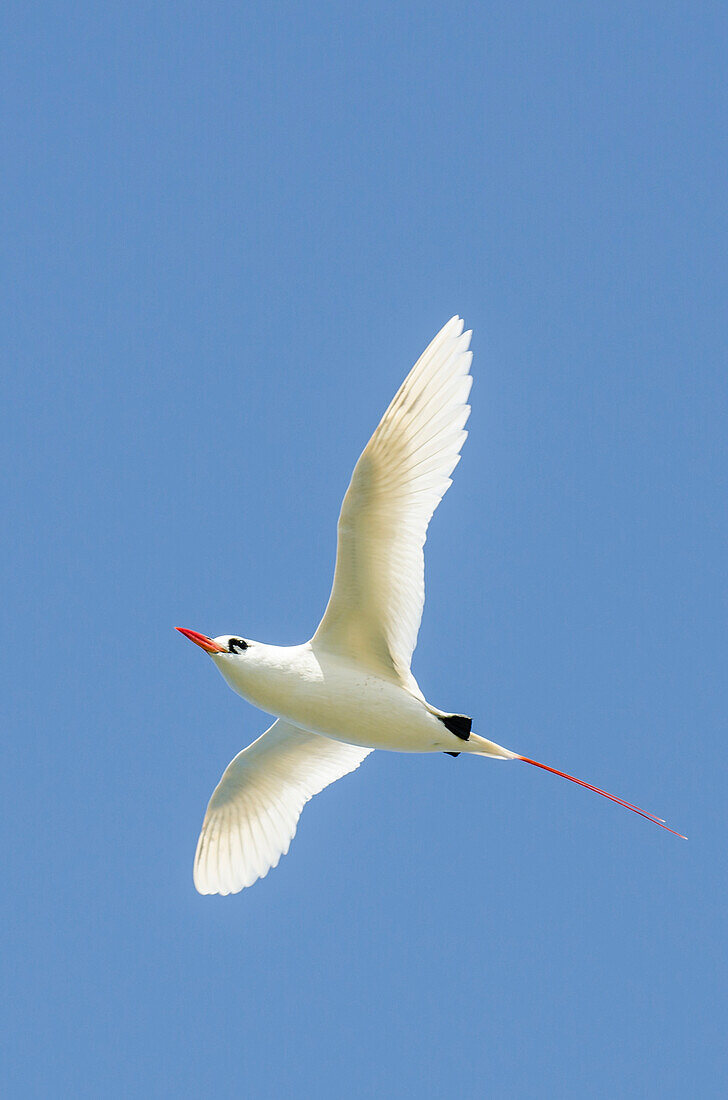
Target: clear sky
{"points": [[228, 231]]}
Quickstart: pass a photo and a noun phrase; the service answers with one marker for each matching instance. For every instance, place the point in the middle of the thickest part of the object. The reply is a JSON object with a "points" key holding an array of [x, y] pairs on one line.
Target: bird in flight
{"points": [[350, 689]]}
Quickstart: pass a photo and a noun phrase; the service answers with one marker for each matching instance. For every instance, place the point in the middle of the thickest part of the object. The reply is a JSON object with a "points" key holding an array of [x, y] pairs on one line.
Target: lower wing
{"points": [[254, 810]]}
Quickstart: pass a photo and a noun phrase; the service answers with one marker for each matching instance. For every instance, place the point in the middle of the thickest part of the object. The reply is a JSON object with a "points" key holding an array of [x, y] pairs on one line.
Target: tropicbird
{"points": [[350, 689]]}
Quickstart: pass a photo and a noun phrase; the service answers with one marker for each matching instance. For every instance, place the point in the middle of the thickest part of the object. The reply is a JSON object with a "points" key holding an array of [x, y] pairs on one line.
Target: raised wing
{"points": [[375, 608], [254, 810]]}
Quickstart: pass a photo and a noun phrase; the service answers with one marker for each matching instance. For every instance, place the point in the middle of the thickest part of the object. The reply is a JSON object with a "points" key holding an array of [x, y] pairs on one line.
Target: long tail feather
{"points": [[612, 797]]}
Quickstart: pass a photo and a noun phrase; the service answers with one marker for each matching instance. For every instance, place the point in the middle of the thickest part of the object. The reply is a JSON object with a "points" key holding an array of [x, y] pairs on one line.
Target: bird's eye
{"points": [[237, 645]]}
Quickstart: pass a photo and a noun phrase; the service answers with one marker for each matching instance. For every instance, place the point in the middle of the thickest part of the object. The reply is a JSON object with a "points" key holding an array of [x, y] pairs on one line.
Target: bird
{"points": [[350, 689]]}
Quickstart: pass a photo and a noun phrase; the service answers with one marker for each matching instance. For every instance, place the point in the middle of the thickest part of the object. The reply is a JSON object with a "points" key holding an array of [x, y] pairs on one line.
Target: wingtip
{"points": [[457, 322]]}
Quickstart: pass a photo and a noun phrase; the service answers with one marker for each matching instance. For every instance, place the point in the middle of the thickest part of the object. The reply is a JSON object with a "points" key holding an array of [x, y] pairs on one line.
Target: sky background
{"points": [[228, 232]]}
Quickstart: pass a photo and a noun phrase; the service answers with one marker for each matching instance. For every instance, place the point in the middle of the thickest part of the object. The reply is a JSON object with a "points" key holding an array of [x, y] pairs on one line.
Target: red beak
{"points": [[202, 640]]}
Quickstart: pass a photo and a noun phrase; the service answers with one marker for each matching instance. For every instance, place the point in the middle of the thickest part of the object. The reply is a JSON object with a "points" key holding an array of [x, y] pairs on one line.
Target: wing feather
{"points": [[375, 608], [254, 810]]}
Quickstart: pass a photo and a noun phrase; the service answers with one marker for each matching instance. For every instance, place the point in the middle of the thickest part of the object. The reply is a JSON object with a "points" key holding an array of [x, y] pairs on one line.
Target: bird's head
{"points": [[240, 662], [229, 644]]}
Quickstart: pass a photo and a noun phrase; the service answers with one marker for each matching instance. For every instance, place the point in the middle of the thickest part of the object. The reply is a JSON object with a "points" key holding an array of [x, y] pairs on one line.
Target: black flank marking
{"points": [[451, 753], [459, 724]]}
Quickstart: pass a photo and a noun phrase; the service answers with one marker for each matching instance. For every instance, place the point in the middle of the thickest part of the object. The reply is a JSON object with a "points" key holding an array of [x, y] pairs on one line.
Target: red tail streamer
{"points": [[612, 797]]}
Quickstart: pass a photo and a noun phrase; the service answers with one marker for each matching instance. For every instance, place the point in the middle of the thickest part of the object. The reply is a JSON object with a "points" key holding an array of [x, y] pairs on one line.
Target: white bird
{"points": [[350, 689]]}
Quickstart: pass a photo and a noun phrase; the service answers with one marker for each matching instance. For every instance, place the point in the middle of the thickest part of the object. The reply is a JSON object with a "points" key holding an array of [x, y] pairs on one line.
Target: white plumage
{"points": [[375, 609], [372, 620], [253, 813]]}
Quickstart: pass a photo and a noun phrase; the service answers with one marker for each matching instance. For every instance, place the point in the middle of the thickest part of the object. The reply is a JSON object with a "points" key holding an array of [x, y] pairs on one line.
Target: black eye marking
{"points": [[237, 645]]}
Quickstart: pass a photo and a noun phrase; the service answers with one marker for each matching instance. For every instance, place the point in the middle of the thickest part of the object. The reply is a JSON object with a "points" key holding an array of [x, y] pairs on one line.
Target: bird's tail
{"points": [[481, 747], [598, 790]]}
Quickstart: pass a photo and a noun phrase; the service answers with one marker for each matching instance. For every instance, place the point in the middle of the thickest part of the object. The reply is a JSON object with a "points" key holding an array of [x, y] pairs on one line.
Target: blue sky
{"points": [[228, 231]]}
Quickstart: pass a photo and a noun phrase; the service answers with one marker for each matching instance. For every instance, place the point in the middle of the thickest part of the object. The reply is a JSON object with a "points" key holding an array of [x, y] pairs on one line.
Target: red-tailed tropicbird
{"points": [[350, 689]]}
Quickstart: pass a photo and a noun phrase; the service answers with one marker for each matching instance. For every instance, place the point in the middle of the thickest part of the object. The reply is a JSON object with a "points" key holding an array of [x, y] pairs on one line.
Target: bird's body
{"points": [[350, 689], [325, 693]]}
